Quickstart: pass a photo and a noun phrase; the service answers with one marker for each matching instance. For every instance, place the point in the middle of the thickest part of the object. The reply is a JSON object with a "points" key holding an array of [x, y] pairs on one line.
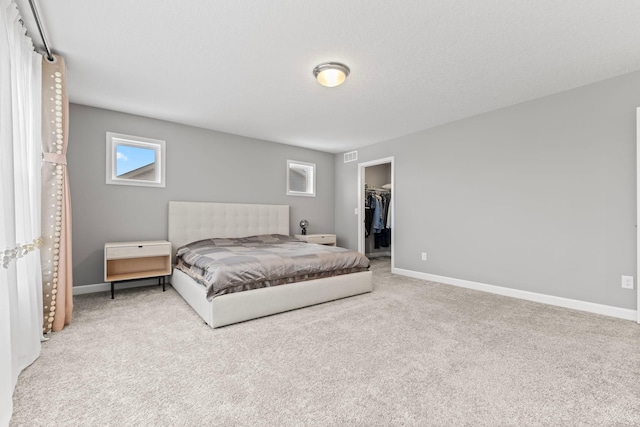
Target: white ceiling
{"points": [[245, 67]]}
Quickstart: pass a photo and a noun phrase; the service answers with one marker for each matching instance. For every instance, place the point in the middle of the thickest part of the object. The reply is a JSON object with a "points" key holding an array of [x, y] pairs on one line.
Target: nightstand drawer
{"points": [[323, 239], [137, 251]]}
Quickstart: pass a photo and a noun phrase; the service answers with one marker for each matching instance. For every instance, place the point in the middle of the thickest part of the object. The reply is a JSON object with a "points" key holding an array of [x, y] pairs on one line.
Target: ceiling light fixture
{"points": [[331, 74]]}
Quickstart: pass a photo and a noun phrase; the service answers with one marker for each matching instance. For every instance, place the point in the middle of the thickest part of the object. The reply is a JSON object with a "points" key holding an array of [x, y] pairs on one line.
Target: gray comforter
{"points": [[233, 265]]}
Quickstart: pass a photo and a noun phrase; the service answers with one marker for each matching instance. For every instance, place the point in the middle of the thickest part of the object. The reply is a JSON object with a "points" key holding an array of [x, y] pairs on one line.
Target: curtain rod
{"points": [[39, 25]]}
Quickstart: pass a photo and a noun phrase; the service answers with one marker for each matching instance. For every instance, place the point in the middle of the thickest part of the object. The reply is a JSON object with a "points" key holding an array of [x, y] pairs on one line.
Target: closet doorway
{"points": [[376, 194]]}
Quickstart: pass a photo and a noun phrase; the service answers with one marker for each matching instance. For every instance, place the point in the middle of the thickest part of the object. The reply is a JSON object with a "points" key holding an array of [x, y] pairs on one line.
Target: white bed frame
{"points": [[191, 221]]}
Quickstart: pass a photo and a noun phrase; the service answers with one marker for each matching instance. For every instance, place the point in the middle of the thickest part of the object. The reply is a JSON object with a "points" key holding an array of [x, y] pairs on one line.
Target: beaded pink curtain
{"points": [[55, 253]]}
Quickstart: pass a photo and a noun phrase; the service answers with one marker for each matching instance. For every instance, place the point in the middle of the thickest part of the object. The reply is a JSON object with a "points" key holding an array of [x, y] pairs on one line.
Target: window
{"points": [[301, 179], [134, 160]]}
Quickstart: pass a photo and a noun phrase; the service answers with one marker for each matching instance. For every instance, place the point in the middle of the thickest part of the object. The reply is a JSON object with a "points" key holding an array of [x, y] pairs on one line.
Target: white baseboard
{"points": [[607, 310], [104, 287]]}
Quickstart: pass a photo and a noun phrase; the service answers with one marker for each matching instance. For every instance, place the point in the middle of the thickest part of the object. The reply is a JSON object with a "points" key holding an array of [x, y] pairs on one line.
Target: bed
{"points": [[194, 221]]}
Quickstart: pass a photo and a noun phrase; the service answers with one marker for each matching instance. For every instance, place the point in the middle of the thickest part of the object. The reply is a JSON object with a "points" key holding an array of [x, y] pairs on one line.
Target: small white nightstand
{"points": [[322, 239], [137, 260]]}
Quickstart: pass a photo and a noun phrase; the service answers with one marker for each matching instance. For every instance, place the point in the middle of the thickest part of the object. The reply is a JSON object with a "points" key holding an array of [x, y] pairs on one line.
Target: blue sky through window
{"points": [[130, 157]]}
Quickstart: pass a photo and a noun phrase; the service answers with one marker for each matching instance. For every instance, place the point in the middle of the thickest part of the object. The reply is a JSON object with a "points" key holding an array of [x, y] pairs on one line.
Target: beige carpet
{"points": [[410, 353]]}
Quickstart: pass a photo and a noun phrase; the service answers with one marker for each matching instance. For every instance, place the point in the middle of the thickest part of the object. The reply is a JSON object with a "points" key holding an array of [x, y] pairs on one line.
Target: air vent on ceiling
{"points": [[351, 156]]}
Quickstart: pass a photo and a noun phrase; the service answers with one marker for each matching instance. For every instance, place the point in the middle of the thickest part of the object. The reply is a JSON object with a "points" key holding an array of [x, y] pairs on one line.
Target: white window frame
{"points": [[113, 139], [311, 178]]}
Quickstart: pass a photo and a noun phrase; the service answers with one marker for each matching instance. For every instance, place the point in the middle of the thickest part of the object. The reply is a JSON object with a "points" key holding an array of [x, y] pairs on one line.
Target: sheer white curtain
{"points": [[20, 160]]}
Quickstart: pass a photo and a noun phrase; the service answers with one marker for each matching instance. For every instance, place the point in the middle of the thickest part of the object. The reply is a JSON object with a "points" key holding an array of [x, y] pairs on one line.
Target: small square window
{"points": [[301, 179], [134, 160]]}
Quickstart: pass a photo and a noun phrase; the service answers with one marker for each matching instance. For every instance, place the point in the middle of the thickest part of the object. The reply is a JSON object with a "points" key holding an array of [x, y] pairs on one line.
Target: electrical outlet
{"points": [[424, 256], [627, 282], [355, 211]]}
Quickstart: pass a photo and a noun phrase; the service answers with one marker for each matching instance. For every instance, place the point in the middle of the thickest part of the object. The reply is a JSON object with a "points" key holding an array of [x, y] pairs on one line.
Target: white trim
{"points": [[392, 208], [638, 213], [607, 310], [158, 145], [104, 287], [311, 178]]}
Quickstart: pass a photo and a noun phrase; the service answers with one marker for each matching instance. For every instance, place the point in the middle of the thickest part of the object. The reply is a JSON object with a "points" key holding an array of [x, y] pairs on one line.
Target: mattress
{"points": [[225, 265]]}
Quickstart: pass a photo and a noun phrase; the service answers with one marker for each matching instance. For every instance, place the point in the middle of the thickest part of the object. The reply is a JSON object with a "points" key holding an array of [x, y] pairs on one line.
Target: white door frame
{"points": [[638, 213], [361, 177]]}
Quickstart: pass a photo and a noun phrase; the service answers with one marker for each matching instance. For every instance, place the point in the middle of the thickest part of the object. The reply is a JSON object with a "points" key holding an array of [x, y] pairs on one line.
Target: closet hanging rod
{"points": [[40, 30]]}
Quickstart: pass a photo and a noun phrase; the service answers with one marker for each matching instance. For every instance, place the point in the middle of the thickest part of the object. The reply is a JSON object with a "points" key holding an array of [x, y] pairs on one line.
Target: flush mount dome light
{"points": [[331, 74]]}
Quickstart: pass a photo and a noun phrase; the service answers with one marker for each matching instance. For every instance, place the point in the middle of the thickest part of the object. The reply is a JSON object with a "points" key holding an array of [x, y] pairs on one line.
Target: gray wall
{"points": [[538, 197], [202, 165]]}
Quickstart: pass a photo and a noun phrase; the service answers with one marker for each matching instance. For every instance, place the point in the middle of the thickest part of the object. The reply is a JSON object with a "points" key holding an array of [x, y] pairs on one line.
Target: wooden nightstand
{"points": [[322, 239], [137, 260]]}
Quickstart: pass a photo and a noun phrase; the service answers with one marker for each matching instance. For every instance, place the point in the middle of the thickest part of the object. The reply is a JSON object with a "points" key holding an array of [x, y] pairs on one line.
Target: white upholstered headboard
{"points": [[192, 221]]}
